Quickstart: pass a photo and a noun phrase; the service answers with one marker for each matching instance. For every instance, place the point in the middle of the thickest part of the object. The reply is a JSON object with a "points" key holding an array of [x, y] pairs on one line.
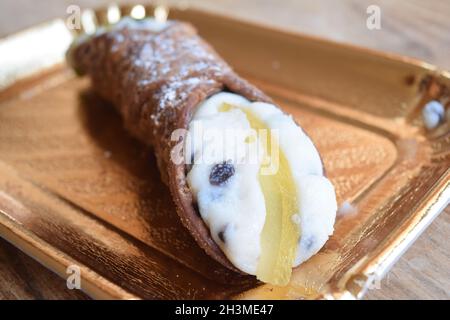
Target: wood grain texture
{"points": [[21, 277], [415, 28], [411, 27], [423, 272]]}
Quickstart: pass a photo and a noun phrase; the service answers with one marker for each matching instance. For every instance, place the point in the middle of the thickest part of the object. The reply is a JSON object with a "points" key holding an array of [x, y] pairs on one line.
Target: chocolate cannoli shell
{"points": [[156, 80]]}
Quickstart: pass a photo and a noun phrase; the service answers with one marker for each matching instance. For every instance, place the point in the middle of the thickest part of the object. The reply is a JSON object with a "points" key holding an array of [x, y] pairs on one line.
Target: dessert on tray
{"points": [[246, 181]]}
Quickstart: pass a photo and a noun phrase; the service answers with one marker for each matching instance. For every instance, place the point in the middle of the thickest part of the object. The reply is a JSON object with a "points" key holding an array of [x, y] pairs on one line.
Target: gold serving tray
{"points": [[76, 189]]}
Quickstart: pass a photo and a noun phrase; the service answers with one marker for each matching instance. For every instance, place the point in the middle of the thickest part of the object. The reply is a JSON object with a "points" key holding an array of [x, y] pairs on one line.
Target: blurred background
{"points": [[417, 28]]}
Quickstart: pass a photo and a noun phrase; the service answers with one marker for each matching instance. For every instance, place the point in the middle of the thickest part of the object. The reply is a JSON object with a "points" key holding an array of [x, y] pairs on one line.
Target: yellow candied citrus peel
{"points": [[280, 234]]}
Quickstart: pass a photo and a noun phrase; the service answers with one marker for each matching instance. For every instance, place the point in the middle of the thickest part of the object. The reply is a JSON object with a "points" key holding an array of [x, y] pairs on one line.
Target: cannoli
{"points": [[246, 181]]}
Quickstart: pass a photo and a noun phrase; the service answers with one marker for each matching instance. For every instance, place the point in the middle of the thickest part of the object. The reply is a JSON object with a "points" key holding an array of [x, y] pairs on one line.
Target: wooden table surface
{"points": [[413, 27]]}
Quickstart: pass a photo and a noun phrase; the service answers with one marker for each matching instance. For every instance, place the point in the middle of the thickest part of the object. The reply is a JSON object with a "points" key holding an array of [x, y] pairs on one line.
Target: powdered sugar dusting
{"points": [[152, 75], [177, 67]]}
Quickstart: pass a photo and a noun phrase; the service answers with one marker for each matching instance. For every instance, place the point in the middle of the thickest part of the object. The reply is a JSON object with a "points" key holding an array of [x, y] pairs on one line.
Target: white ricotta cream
{"points": [[224, 178]]}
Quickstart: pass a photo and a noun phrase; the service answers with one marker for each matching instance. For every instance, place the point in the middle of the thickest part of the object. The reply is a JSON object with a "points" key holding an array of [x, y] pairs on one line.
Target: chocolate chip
{"points": [[190, 164], [221, 234], [220, 173], [309, 241]]}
